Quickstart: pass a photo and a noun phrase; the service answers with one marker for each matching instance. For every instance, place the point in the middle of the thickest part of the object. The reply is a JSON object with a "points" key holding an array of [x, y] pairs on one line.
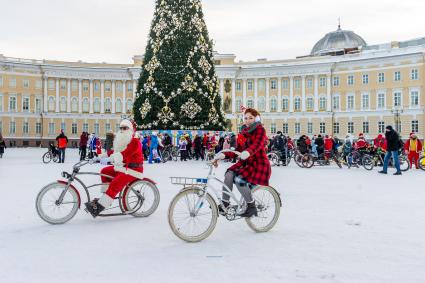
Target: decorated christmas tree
{"points": [[178, 86]]}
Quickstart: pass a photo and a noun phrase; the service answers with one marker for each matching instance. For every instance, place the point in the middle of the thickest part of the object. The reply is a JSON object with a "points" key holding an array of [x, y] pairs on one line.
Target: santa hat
{"points": [[412, 134], [360, 135], [380, 136], [127, 123]]}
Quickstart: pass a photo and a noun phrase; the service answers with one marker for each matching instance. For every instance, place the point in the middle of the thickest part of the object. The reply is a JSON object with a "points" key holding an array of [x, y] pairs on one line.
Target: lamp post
{"points": [[397, 119]]}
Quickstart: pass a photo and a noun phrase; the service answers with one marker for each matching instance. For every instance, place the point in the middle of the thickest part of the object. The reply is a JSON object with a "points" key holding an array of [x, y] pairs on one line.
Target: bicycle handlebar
{"points": [[229, 150]]}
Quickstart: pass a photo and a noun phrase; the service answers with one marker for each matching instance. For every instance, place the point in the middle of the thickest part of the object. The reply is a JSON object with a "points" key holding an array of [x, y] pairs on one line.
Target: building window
{"points": [[108, 105], [85, 127], [336, 128], [285, 103], [74, 129], [12, 103], [297, 84], [12, 127], [51, 128], [397, 76], [1, 104], [63, 84], [366, 127], [381, 77], [51, 84], [238, 85], [381, 100], [63, 127], [273, 84], [108, 86], [38, 128], [322, 128], [129, 87], [365, 79], [309, 128], [96, 104], [250, 102], [12, 83], [414, 74], [350, 80], [38, 105], [297, 103], [261, 84], [322, 82], [25, 128], [297, 128], [96, 86], [397, 99], [381, 127], [310, 103], [322, 103], [107, 127], [51, 103], [261, 103], [74, 85], [74, 104], [96, 129], [335, 103], [414, 98], [336, 81], [85, 86], [25, 104], [63, 104], [118, 86], [350, 102], [285, 84], [117, 127], [309, 83], [365, 101], [415, 126], [273, 104], [129, 105], [285, 128], [350, 127], [118, 105], [86, 104], [273, 128], [238, 104], [26, 83], [250, 85]]}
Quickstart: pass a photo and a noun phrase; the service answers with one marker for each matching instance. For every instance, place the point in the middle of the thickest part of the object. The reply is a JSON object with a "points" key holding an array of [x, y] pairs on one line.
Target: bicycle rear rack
{"points": [[188, 181]]}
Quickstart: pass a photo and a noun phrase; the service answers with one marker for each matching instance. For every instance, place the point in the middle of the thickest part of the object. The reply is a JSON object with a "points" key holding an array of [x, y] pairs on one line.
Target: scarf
{"points": [[249, 129]]}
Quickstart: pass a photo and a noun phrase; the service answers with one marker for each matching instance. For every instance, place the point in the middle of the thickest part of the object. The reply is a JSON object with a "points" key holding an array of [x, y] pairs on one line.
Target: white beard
{"points": [[122, 139]]}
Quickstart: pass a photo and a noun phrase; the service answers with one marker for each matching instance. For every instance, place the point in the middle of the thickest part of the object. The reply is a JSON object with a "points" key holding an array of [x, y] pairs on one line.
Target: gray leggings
{"points": [[245, 191]]}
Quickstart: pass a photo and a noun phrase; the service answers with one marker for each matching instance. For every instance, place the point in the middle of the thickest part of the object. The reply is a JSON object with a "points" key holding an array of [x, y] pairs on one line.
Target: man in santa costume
{"points": [[413, 147], [127, 154]]}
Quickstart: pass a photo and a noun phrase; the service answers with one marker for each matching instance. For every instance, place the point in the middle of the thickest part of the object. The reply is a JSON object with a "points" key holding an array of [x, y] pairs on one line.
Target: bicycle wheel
{"points": [[337, 161], [187, 225], [308, 161], [140, 199], [404, 163], [268, 205], [274, 158], [165, 156], [298, 160], [47, 157], [48, 208], [368, 162], [421, 163], [56, 157]]}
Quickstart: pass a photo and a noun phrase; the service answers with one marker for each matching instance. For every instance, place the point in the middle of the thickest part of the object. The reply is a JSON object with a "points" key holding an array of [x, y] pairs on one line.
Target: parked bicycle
{"points": [[58, 202], [369, 161], [51, 154], [323, 159], [193, 212]]}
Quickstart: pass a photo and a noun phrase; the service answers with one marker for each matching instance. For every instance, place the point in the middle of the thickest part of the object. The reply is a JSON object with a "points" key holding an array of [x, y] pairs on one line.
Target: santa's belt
{"points": [[135, 165]]}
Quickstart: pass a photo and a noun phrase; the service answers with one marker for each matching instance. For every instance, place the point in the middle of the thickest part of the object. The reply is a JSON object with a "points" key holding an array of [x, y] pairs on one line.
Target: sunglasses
{"points": [[124, 128]]}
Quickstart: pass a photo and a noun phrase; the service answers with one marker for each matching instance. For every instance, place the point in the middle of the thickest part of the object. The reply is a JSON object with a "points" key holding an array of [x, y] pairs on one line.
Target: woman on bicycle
{"points": [[253, 168]]}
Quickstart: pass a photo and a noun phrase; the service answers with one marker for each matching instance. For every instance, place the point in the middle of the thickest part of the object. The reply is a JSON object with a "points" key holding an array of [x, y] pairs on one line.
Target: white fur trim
{"points": [[129, 171], [104, 188], [105, 201], [245, 155], [117, 158], [220, 156]]}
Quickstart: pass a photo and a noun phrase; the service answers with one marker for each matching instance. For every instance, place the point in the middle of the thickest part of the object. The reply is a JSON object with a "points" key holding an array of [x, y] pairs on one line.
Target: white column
{"points": [[124, 104], [267, 94], [113, 97], [134, 89], [45, 94], [255, 93], [57, 95], [91, 96], [80, 96], [279, 94], [316, 93], [68, 104], [303, 108], [244, 101], [102, 96], [291, 94], [234, 96], [222, 91], [328, 93]]}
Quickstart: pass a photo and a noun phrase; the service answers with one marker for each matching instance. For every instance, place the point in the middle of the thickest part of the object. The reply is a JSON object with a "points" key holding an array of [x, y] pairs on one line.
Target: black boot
{"points": [[221, 208], [94, 207], [382, 172], [251, 210], [397, 173]]}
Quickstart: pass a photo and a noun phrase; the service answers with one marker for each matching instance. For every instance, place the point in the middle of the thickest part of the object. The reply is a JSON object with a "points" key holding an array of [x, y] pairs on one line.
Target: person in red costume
{"points": [[127, 154], [413, 147], [380, 142], [361, 143]]}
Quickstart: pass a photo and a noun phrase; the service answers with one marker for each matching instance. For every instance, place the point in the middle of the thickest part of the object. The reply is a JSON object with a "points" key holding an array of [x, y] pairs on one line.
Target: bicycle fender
{"points": [[72, 187]]}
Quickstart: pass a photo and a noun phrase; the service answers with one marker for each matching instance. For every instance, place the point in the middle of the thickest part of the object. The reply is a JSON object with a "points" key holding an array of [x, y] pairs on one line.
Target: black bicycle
{"points": [[51, 154]]}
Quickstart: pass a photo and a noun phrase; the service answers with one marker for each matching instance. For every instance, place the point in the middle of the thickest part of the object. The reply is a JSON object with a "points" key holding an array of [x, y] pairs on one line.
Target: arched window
{"points": [[96, 104], [310, 103], [297, 103], [74, 104], [51, 103], [129, 105], [273, 104], [63, 104], [261, 103], [86, 104], [322, 103], [108, 105], [118, 105], [285, 104]]}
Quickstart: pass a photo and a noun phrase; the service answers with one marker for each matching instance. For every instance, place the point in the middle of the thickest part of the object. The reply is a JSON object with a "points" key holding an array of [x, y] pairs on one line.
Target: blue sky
{"points": [[113, 31]]}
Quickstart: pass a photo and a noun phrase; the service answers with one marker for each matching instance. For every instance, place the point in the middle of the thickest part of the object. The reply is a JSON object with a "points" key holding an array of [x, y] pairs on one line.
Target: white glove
{"points": [[219, 156], [244, 155], [105, 160], [116, 158]]}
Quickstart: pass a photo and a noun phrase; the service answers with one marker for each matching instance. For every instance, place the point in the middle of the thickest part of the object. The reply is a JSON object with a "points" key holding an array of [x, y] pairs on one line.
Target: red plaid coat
{"points": [[256, 169]]}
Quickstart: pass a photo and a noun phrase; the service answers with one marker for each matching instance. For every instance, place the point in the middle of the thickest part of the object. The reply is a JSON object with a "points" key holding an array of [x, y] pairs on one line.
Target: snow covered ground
{"points": [[336, 225]]}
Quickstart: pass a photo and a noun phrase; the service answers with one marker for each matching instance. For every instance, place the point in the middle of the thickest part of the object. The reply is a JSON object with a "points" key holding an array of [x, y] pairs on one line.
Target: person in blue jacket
{"points": [[153, 149]]}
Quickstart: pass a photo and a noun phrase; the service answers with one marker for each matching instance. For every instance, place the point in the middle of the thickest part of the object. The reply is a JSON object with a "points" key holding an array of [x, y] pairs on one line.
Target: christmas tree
{"points": [[178, 86]]}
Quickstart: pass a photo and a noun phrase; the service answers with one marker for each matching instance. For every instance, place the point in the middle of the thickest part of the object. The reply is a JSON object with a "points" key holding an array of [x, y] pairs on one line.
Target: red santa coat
{"points": [[256, 169], [328, 144], [360, 144], [418, 146], [380, 143]]}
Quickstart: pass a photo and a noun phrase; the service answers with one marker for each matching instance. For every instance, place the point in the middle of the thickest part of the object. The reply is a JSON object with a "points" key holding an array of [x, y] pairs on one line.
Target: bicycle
{"points": [[58, 202], [51, 154], [323, 159], [369, 161], [194, 205]]}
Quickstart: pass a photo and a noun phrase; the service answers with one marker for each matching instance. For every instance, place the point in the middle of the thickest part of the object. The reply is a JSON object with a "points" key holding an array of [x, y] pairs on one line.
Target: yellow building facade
{"points": [[341, 87]]}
